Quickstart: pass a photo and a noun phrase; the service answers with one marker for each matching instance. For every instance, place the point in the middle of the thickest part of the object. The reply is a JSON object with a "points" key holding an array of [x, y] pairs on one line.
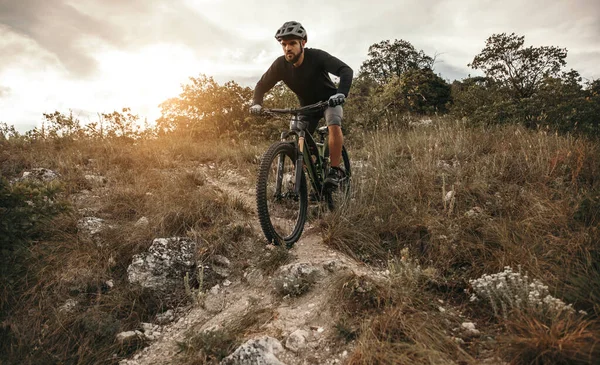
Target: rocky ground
{"points": [[300, 329]]}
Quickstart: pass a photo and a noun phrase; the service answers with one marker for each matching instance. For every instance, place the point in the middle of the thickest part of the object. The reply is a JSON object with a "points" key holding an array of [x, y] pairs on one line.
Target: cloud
{"points": [[75, 32], [4, 91]]}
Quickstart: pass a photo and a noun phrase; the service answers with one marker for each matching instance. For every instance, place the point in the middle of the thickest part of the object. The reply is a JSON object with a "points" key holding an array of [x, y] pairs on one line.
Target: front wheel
{"points": [[281, 207]]}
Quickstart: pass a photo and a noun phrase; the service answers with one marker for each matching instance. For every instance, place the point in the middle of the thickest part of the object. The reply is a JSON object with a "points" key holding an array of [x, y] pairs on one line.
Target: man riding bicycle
{"points": [[306, 72]]}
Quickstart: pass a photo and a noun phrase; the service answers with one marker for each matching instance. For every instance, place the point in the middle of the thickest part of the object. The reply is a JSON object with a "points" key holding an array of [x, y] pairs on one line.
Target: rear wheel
{"points": [[341, 195], [281, 210]]}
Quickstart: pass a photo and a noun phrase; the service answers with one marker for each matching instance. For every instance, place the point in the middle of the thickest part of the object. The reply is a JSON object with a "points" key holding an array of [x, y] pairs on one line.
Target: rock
{"points": [[95, 180], [147, 326], [127, 336], [221, 260], [164, 264], [221, 266], [296, 341], [39, 174], [69, 306], [470, 329], [296, 279], [458, 340], [91, 226], [142, 222], [333, 266], [215, 300], [256, 351], [474, 212], [254, 277]]}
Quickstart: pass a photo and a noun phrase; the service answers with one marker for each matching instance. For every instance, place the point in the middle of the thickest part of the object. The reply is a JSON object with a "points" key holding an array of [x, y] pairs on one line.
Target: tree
{"points": [[58, 125], [506, 61], [205, 107], [393, 59], [122, 124]]}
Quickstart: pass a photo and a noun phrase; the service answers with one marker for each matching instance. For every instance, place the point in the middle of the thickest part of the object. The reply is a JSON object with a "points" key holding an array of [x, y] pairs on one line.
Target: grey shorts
{"points": [[333, 116]]}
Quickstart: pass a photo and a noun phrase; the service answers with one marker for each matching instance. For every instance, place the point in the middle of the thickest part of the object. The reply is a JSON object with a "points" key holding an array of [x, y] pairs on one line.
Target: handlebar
{"points": [[317, 107]]}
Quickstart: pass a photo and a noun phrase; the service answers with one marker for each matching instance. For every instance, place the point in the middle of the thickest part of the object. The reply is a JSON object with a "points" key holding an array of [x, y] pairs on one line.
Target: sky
{"points": [[97, 56]]}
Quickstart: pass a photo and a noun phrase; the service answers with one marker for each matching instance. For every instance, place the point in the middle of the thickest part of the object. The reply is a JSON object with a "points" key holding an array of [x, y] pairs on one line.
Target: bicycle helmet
{"points": [[291, 29]]}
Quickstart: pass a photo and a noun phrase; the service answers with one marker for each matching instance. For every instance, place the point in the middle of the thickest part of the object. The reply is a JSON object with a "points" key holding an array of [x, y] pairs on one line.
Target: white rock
{"points": [[215, 289], [474, 212], [142, 222], [95, 179], [296, 341], [91, 226], [147, 326], [69, 306], [166, 317], [256, 351], [164, 264], [40, 174], [470, 328], [126, 336]]}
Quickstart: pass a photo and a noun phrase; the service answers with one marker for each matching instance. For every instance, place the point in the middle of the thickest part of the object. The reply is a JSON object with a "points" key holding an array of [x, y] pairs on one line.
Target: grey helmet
{"points": [[291, 29]]}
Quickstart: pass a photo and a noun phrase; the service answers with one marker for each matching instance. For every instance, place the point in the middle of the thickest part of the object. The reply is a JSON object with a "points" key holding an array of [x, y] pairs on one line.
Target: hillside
{"points": [[158, 257]]}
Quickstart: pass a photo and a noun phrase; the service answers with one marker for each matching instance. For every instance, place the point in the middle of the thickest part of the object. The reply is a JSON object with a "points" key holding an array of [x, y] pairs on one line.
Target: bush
{"points": [[559, 104], [24, 207]]}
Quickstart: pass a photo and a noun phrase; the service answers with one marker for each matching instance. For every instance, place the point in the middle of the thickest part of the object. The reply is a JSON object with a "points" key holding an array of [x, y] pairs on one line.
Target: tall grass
{"points": [[161, 180], [469, 201]]}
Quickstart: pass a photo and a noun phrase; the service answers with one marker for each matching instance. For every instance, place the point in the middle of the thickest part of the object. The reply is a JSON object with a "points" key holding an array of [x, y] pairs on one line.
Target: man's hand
{"points": [[337, 99], [255, 109]]}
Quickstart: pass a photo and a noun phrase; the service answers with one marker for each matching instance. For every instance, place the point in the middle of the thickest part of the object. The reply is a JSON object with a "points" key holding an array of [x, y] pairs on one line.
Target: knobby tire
{"points": [[270, 208]]}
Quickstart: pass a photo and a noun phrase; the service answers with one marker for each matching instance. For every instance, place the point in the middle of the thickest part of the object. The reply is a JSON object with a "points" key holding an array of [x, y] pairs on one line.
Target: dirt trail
{"points": [[309, 312]]}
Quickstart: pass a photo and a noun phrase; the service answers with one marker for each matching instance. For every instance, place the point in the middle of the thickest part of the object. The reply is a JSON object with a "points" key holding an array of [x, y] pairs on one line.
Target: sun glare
{"points": [[142, 80], [151, 74]]}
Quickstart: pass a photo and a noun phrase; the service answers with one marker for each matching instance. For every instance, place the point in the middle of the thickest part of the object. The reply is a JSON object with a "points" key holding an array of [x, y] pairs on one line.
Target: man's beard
{"points": [[296, 58]]}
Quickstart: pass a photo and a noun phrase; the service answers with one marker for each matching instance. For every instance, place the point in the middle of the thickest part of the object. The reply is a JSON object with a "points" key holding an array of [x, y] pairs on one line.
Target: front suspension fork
{"points": [[299, 162]]}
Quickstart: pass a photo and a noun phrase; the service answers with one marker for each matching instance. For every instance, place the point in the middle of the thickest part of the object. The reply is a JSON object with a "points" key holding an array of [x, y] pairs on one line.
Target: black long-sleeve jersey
{"points": [[311, 81]]}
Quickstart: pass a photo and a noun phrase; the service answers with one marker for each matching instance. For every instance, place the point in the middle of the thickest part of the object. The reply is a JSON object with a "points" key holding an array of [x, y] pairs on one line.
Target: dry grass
{"points": [[274, 259], [156, 179], [461, 201], [211, 346], [470, 200], [406, 336], [570, 340], [467, 202]]}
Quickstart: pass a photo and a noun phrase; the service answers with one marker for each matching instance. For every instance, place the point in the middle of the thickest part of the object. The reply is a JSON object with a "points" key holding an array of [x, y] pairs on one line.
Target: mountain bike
{"points": [[282, 190]]}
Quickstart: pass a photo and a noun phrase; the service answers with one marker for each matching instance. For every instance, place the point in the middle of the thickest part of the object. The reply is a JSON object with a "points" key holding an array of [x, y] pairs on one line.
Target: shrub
{"points": [[510, 291], [24, 207]]}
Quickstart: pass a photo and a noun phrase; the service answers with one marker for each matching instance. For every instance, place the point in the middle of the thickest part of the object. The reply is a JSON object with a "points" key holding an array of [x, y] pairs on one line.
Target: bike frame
{"points": [[303, 144]]}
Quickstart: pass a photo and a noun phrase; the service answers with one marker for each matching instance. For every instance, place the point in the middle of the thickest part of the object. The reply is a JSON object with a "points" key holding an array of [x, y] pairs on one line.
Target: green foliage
{"points": [[358, 112], [280, 96], [506, 61], [417, 91], [559, 104], [205, 108], [24, 207], [386, 60]]}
